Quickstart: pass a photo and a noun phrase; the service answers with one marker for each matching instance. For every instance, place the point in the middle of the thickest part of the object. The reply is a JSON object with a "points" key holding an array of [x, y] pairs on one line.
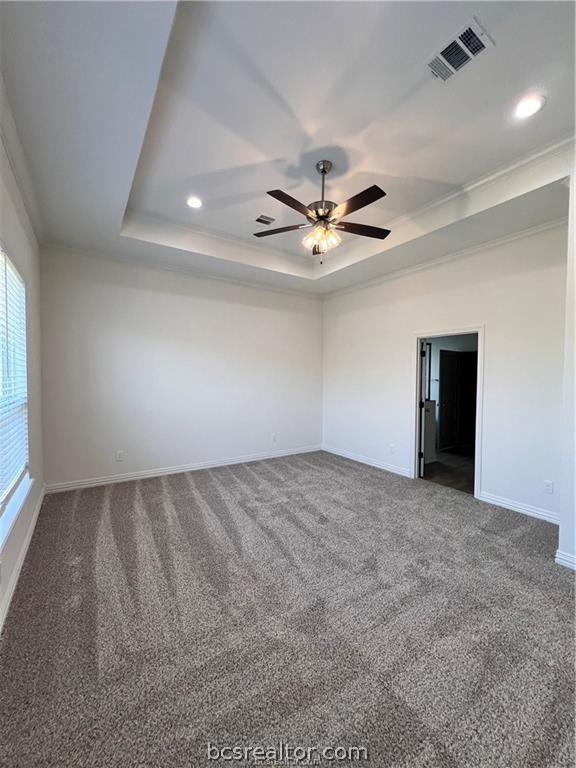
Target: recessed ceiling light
{"points": [[529, 106], [194, 202]]}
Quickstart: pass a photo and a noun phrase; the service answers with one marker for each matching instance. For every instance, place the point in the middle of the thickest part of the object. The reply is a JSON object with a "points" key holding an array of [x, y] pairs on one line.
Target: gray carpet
{"points": [[310, 600]]}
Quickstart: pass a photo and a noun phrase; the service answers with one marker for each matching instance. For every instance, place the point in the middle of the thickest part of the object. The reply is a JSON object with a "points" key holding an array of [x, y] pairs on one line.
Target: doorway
{"points": [[447, 408]]}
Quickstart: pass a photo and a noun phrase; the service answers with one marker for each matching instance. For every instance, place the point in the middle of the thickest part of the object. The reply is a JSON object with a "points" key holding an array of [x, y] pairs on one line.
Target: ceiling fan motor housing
{"points": [[322, 209]]}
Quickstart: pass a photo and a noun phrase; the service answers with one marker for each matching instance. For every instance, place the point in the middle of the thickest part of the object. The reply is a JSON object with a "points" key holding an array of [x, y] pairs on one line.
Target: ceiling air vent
{"points": [[262, 219], [471, 41]]}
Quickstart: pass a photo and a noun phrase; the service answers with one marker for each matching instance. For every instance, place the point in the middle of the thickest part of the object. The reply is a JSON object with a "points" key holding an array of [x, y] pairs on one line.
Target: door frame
{"points": [[418, 337]]}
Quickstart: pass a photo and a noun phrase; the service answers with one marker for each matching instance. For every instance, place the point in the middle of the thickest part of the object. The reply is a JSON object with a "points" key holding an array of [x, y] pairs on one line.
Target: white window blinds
{"points": [[13, 384]]}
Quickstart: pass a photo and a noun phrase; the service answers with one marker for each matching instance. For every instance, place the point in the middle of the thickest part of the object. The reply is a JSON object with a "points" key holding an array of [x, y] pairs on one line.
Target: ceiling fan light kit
{"points": [[324, 216], [322, 236]]}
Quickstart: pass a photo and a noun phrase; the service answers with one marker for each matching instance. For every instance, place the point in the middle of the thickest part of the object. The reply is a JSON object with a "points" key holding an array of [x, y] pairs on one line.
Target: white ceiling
{"points": [[81, 79], [249, 96], [242, 108]]}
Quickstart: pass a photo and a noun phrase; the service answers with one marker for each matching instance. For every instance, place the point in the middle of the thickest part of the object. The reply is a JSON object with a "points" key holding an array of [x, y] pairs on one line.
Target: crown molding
{"points": [[54, 247], [17, 162], [167, 234], [132, 217], [447, 258], [546, 166], [556, 148]]}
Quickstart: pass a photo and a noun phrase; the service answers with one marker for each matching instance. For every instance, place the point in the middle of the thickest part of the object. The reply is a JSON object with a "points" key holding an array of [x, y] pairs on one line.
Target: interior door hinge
{"points": [[421, 403], [420, 454]]}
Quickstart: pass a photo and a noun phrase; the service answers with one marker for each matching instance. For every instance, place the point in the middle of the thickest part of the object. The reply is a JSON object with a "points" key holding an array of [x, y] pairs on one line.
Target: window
{"points": [[13, 383]]}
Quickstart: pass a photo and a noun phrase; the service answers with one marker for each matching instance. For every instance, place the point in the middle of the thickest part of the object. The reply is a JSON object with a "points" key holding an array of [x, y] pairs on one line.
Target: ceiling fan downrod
{"points": [[323, 167]]}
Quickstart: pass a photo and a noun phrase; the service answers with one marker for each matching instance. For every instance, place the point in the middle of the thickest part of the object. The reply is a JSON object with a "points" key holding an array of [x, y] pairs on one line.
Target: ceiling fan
{"points": [[324, 217]]}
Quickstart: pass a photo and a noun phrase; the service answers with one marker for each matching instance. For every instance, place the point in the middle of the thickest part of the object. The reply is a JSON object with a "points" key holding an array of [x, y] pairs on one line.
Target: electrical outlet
{"points": [[548, 486], [119, 456], [392, 448], [273, 436]]}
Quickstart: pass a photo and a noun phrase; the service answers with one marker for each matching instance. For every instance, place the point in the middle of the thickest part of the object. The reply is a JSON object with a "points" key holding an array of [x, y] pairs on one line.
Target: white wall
{"points": [[20, 243], [172, 369], [517, 291]]}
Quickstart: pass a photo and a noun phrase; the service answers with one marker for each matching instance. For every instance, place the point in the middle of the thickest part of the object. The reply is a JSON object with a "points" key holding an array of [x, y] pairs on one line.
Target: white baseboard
{"points": [[367, 460], [518, 506], [159, 471], [8, 591], [489, 498], [566, 559]]}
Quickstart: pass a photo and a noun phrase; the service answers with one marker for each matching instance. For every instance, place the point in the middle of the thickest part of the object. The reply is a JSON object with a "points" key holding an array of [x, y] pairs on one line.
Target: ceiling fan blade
{"points": [[358, 201], [292, 202], [362, 229], [267, 232]]}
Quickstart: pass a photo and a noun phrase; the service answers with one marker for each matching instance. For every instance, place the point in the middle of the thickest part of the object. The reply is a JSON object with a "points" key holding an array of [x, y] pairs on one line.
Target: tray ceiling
{"points": [[126, 109]]}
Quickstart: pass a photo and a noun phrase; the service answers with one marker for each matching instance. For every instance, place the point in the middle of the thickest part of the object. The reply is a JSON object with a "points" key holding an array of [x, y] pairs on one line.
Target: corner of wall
{"points": [[567, 537], [566, 559]]}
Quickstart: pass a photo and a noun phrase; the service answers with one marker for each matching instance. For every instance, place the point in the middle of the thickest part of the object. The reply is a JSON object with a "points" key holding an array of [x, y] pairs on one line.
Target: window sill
{"points": [[13, 507]]}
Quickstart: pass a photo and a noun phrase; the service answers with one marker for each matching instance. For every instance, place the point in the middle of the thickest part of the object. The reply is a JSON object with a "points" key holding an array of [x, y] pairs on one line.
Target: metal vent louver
{"points": [[472, 41], [263, 219], [458, 52]]}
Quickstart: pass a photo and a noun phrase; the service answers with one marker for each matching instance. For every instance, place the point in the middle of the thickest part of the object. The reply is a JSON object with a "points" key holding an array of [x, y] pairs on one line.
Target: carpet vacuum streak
{"points": [[309, 600]]}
